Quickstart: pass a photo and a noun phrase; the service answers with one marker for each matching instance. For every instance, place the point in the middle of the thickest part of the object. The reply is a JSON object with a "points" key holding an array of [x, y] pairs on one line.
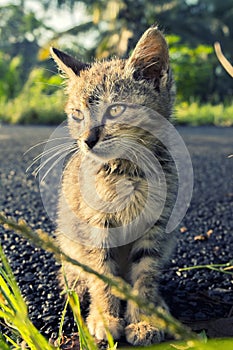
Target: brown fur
{"points": [[144, 79]]}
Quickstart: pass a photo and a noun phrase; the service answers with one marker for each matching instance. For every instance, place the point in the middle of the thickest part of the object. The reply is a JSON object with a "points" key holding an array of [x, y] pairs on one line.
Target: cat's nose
{"points": [[93, 137]]}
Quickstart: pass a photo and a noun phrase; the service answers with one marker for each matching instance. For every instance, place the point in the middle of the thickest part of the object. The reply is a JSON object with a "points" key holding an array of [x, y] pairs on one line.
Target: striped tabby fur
{"points": [[144, 79]]}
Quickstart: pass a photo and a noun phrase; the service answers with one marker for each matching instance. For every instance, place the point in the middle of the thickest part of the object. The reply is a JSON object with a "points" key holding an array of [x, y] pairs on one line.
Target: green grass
{"points": [[197, 115], [13, 309], [28, 108], [42, 101]]}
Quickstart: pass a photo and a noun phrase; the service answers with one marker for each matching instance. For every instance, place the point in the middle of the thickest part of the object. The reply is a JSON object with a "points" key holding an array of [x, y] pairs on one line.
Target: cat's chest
{"points": [[103, 198], [116, 189]]}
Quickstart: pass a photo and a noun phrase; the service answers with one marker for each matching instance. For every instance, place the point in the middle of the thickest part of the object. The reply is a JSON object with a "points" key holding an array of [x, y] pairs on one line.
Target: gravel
{"points": [[205, 235]]}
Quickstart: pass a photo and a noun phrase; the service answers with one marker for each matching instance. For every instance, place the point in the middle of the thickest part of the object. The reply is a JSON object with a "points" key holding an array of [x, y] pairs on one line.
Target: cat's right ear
{"points": [[150, 59], [67, 64]]}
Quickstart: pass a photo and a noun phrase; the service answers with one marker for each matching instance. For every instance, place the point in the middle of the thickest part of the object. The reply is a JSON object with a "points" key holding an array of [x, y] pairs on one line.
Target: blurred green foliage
{"points": [[193, 69], [196, 114], [29, 85], [40, 101], [10, 81]]}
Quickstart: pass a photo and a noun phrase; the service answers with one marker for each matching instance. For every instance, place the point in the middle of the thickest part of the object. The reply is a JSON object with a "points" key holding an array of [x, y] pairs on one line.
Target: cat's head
{"points": [[101, 94]]}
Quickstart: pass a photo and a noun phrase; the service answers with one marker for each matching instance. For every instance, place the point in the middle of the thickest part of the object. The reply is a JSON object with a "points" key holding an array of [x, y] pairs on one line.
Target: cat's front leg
{"points": [[140, 330], [104, 311]]}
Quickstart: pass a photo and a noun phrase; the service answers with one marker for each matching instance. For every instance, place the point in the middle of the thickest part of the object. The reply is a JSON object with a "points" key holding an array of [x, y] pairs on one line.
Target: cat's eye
{"points": [[116, 111], [76, 114]]}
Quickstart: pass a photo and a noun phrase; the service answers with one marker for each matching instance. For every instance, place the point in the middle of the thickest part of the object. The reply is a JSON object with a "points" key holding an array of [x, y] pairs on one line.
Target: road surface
{"points": [[205, 234]]}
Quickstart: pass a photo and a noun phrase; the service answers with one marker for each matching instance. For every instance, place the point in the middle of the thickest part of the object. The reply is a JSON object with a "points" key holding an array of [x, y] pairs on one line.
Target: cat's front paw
{"points": [[142, 333], [97, 326]]}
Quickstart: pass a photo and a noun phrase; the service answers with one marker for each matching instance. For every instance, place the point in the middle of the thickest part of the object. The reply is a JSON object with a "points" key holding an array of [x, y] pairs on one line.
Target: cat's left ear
{"points": [[150, 58], [69, 65]]}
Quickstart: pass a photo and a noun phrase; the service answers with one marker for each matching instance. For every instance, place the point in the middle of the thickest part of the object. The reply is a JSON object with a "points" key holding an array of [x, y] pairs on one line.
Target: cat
{"points": [[95, 228]]}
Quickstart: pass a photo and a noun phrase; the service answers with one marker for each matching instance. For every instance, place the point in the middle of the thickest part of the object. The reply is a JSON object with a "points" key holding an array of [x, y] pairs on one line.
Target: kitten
{"points": [[104, 219]]}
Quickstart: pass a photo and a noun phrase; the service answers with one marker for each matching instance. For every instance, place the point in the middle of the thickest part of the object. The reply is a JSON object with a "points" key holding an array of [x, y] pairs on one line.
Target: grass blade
{"points": [[3, 344], [86, 340], [13, 309]]}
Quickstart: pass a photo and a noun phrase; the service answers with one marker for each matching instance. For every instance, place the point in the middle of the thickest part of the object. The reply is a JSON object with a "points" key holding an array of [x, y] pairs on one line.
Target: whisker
{"points": [[145, 159], [42, 165], [54, 164], [138, 154], [129, 138], [43, 142], [46, 152], [64, 151], [65, 144], [43, 83], [50, 70]]}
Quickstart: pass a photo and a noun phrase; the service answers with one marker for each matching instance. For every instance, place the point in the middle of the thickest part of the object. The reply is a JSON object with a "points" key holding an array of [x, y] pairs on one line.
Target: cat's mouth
{"points": [[97, 144], [104, 150], [93, 137]]}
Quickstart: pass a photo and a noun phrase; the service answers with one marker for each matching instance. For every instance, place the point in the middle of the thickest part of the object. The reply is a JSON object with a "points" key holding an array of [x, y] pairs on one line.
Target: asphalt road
{"points": [[205, 235]]}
